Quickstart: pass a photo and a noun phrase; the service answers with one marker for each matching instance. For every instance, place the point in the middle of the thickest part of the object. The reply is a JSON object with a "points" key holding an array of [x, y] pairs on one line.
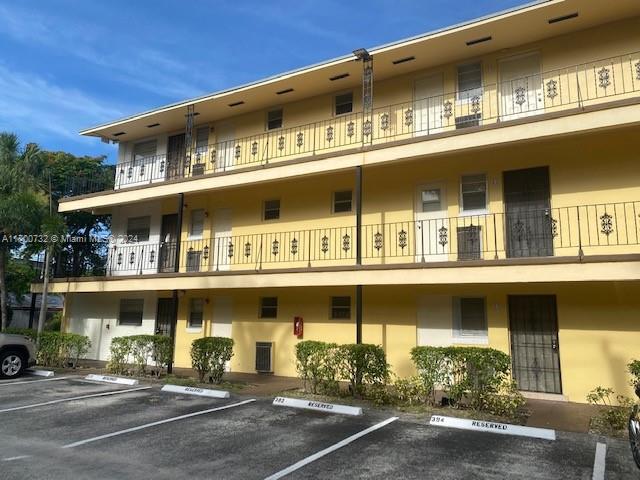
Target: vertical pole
{"points": [[358, 313], [367, 99], [358, 215], [172, 330], [176, 268], [176, 263], [188, 137]]}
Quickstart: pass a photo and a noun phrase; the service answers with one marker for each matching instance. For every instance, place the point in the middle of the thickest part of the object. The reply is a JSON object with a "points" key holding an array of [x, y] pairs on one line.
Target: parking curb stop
{"points": [[202, 392], [492, 427], [109, 379], [40, 373], [317, 406]]}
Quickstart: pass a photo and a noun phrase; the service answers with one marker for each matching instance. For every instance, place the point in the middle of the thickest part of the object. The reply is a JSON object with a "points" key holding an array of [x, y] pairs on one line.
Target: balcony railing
{"points": [[599, 229], [552, 91]]}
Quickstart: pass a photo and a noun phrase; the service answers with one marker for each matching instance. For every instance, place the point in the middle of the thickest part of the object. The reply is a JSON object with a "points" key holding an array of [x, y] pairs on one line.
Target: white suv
{"points": [[17, 353]]}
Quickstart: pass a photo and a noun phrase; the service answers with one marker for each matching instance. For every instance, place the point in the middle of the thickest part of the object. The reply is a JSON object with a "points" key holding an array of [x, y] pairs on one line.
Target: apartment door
{"points": [[521, 91], [528, 221], [168, 242], [164, 316], [223, 251], [225, 147], [428, 104], [431, 223], [534, 343], [175, 156]]}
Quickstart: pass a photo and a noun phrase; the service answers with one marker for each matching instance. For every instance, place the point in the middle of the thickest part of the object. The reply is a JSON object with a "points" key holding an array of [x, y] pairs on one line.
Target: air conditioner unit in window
{"points": [[264, 357]]}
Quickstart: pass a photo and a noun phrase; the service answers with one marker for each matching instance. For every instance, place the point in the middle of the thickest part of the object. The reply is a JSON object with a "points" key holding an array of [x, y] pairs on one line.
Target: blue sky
{"points": [[71, 64]]}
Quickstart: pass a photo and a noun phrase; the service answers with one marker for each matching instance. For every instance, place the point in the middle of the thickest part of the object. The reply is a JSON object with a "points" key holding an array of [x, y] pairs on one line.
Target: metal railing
{"points": [[607, 229], [551, 91]]}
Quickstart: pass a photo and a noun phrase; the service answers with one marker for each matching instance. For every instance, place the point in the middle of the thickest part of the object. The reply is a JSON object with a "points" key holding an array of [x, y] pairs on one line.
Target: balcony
{"points": [[579, 231], [552, 92]]}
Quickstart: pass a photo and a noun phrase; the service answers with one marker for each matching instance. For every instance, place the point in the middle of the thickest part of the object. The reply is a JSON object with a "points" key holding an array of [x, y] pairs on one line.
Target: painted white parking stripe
{"points": [[599, 462], [159, 422], [70, 399], [328, 450], [19, 457], [20, 382]]}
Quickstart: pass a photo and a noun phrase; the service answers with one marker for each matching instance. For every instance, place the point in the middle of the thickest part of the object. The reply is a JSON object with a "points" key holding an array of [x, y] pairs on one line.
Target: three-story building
{"points": [[477, 185]]}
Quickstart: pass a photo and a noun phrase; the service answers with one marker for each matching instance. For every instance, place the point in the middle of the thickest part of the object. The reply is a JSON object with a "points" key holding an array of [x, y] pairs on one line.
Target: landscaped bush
{"points": [[132, 354], [316, 363], [362, 364], [611, 418], [475, 376], [209, 356], [56, 349], [410, 391], [634, 370]]}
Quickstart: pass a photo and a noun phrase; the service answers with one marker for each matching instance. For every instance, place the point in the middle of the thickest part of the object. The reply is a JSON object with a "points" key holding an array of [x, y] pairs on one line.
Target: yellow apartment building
{"points": [[477, 185]]}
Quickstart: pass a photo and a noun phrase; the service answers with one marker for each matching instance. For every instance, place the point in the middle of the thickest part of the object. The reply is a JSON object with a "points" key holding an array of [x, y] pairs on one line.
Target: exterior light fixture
{"points": [[362, 54]]}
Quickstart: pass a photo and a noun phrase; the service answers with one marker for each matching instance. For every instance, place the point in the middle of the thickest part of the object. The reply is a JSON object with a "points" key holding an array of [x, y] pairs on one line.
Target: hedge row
{"points": [[132, 354], [56, 349], [321, 365], [209, 356]]}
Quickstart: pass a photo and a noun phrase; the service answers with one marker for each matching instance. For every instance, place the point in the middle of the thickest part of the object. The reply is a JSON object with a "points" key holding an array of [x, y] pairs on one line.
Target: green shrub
{"points": [[57, 349], [610, 417], [209, 356], [316, 365], [131, 355], [410, 391], [634, 370], [362, 364], [476, 376]]}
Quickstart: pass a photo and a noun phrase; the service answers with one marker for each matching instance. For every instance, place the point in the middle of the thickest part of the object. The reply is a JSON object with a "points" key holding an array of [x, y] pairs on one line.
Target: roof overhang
{"points": [[524, 24]]}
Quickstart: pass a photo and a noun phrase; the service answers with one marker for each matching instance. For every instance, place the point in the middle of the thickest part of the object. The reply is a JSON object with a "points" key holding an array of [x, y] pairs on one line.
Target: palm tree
{"points": [[22, 205]]}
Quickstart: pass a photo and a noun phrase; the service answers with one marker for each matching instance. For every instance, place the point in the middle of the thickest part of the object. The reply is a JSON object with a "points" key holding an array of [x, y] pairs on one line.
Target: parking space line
{"points": [[61, 400], [328, 450], [3, 384], [159, 422], [19, 457], [599, 462]]}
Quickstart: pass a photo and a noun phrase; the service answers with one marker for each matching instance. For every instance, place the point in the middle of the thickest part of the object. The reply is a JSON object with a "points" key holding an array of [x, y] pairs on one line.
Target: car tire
{"points": [[12, 364]]}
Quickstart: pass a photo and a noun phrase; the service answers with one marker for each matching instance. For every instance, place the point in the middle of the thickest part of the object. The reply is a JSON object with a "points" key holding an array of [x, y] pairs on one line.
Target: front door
{"points": [[226, 148], [432, 224], [520, 87], [528, 221], [428, 104], [175, 156], [164, 316], [534, 343], [223, 252], [168, 243]]}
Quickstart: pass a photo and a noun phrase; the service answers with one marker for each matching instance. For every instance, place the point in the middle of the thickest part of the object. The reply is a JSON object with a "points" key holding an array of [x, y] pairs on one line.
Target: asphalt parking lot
{"points": [[72, 428]]}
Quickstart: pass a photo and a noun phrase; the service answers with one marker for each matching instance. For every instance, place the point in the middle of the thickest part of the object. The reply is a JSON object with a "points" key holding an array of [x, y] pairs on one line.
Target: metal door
{"points": [[164, 316], [175, 156], [168, 242]]}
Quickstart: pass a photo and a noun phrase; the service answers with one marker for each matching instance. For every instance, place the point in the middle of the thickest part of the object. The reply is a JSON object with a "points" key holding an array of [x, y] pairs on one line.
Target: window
{"points": [[470, 317], [274, 119], [131, 311], [138, 228], [430, 199], [344, 103], [202, 140], [474, 192], [342, 201], [144, 149], [271, 210], [197, 223], [196, 313], [469, 80], [269, 307], [340, 307]]}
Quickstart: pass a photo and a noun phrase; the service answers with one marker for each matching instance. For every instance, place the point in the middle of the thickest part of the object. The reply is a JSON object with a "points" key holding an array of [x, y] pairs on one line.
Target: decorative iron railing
{"points": [[551, 91], [612, 228]]}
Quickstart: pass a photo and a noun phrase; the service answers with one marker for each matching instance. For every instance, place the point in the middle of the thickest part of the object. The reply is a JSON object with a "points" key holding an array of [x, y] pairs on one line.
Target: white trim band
{"points": [[202, 392], [109, 379], [492, 427], [316, 406]]}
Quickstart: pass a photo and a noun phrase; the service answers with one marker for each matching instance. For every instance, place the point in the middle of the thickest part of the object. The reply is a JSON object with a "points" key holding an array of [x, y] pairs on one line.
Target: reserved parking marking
{"points": [[109, 379], [493, 427], [599, 462], [202, 392], [40, 373], [159, 422], [316, 406], [328, 450], [20, 382], [61, 400]]}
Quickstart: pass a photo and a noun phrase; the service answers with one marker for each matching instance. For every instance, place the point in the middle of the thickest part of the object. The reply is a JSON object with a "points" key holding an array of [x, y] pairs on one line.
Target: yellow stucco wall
{"points": [[599, 332]]}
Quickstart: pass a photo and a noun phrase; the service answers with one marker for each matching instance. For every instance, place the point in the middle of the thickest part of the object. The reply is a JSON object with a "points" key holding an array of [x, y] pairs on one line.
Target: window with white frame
{"points": [[469, 318], [196, 312], [342, 201], [343, 103], [469, 80], [473, 193], [145, 149], [197, 223], [138, 229], [131, 311]]}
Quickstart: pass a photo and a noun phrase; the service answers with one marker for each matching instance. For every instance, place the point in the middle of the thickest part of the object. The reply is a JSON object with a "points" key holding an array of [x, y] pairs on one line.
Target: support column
{"points": [[358, 215], [358, 313], [176, 268], [188, 139], [172, 332]]}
